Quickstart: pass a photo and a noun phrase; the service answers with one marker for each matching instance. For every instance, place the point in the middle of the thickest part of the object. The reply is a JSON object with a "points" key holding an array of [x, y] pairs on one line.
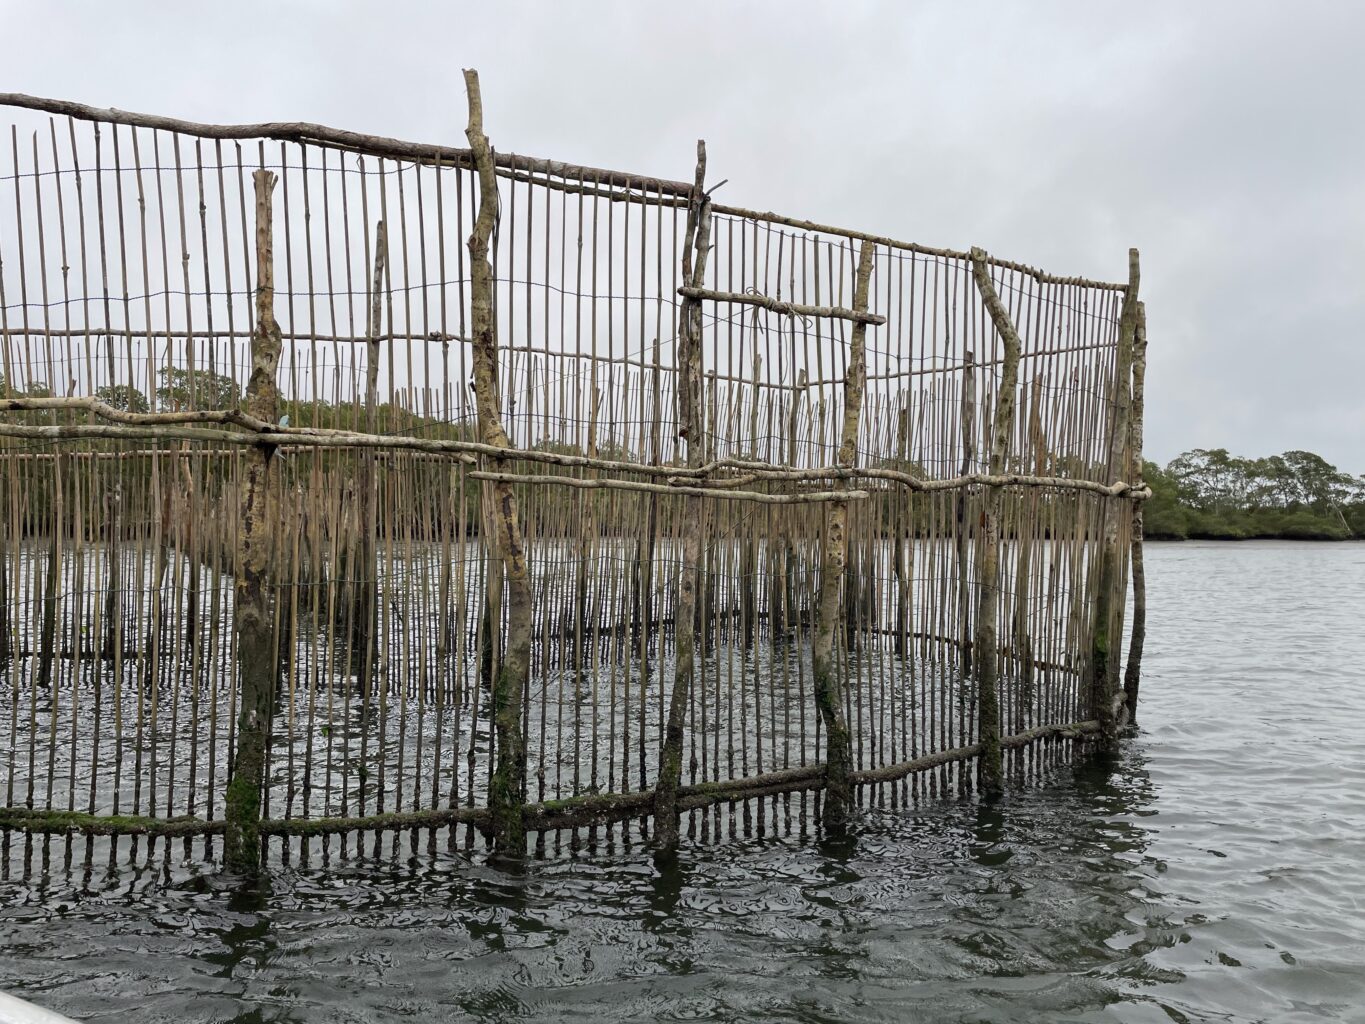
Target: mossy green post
{"points": [[257, 656], [507, 784]]}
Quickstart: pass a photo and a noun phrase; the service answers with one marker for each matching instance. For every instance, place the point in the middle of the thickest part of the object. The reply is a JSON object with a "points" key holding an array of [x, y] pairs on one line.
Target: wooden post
{"points": [[364, 572], [257, 657], [1108, 609], [696, 243], [990, 767], [826, 683], [1133, 673], [507, 785]]}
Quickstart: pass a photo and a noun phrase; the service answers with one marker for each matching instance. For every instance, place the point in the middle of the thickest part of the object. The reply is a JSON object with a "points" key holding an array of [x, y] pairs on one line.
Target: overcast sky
{"points": [[1225, 140]]}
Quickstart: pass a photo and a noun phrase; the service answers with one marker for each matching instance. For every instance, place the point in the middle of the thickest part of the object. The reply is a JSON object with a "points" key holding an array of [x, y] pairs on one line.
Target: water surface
{"points": [[1215, 873]]}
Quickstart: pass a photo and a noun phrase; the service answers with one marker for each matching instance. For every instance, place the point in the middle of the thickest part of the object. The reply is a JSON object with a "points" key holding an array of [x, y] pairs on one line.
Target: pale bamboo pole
{"points": [[1107, 625], [257, 657], [828, 688], [985, 660], [696, 243], [1133, 673], [507, 784]]}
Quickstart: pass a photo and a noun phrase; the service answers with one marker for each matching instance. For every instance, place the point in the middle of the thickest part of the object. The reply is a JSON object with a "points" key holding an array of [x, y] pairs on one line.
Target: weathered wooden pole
{"points": [[829, 699], [507, 785], [1108, 610], [696, 244], [364, 571], [990, 766], [1133, 673], [257, 656]]}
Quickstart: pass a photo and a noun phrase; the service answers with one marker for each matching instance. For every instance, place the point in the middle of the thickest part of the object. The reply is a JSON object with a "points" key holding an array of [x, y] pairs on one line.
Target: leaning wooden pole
{"points": [[829, 698], [257, 656], [696, 244], [990, 766], [1138, 636], [1102, 675], [507, 786]]}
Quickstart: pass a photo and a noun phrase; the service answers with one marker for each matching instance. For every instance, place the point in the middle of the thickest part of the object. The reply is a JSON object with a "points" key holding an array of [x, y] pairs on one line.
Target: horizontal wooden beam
{"points": [[786, 308]]}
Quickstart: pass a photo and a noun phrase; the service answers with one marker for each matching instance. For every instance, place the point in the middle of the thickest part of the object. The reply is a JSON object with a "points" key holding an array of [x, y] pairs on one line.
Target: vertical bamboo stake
{"points": [[990, 770], [257, 656], [364, 571], [829, 698], [1133, 673], [506, 786], [1108, 609], [696, 242]]}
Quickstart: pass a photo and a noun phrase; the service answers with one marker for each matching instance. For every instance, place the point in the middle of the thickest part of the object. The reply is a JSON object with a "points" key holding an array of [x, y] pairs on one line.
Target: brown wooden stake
{"points": [[990, 768], [829, 689], [696, 244], [1107, 625], [507, 785], [257, 656], [1132, 675]]}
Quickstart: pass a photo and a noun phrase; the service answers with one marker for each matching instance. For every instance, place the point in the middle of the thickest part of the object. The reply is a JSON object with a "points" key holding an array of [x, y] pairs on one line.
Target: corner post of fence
{"points": [[696, 246], [1107, 628], [257, 656], [507, 784], [985, 644], [1132, 675], [827, 686]]}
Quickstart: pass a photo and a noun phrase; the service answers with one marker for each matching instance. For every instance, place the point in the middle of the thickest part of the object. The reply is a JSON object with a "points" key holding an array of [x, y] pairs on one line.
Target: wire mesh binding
{"points": [[673, 379]]}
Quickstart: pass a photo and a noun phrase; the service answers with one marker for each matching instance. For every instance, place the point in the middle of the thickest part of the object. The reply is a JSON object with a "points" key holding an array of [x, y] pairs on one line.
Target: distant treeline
{"points": [[1209, 494]]}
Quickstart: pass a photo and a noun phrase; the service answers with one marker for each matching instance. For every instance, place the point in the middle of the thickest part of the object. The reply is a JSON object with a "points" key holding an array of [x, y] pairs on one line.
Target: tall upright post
{"points": [[507, 786], [825, 681], [257, 656], [1108, 608], [696, 245], [1138, 635], [365, 572], [985, 660]]}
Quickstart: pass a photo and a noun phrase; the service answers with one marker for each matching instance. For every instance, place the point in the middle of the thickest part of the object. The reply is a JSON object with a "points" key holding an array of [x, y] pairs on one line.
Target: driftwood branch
{"points": [[777, 306]]}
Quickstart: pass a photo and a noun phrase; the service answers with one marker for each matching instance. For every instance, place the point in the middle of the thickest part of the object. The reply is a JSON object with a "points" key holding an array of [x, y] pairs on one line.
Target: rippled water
{"points": [[1217, 873]]}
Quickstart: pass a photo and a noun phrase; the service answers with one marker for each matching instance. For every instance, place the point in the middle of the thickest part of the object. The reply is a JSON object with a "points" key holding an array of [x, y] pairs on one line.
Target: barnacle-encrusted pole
{"points": [[1108, 605], [827, 685], [257, 656], [1132, 675], [696, 244], [990, 768], [507, 785]]}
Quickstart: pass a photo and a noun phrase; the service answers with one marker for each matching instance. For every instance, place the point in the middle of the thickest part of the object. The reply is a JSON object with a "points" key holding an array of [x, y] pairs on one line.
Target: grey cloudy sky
{"points": [[1225, 140]]}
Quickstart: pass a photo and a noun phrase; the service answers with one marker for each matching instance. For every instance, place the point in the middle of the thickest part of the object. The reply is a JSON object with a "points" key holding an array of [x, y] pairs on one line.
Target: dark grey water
{"points": [[1217, 873]]}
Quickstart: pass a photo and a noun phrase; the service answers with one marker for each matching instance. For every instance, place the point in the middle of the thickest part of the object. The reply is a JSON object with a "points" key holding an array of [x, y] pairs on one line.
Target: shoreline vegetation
{"points": [[1208, 494]]}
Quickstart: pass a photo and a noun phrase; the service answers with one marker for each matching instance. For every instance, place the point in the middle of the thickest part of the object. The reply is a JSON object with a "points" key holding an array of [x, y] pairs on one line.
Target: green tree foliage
{"points": [[1209, 493]]}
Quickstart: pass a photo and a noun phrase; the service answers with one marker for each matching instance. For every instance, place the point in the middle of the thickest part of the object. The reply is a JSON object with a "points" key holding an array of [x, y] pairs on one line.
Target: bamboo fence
{"points": [[354, 487]]}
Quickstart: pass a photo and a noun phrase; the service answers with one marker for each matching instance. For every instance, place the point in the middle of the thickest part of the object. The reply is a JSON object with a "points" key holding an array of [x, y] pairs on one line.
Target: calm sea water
{"points": [[1217, 873]]}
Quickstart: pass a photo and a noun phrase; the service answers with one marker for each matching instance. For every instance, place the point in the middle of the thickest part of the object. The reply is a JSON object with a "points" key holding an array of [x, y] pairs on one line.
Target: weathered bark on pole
{"points": [[1108, 606], [696, 243], [257, 656], [1138, 637], [364, 571], [507, 785], [825, 681], [990, 765]]}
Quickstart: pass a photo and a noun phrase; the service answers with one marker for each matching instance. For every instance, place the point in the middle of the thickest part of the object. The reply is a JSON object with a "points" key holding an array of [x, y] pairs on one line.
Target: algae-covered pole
{"points": [[257, 656], [506, 787], [1132, 675], [990, 768], [827, 685], [696, 243], [1108, 608]]}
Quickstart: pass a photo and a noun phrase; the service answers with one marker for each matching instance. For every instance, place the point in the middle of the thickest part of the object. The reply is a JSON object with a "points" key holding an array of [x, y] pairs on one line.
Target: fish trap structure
{"points": [[352, 486]]}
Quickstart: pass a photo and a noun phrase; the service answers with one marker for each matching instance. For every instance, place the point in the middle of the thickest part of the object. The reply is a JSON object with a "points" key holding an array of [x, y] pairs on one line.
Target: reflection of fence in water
{"points": [[978, 499]]}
